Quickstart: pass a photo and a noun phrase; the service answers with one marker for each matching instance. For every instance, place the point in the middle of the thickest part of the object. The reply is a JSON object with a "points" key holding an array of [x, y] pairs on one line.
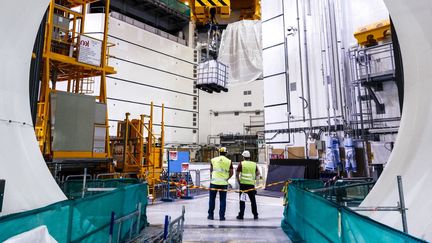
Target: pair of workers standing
{"points": [[221, 169]]}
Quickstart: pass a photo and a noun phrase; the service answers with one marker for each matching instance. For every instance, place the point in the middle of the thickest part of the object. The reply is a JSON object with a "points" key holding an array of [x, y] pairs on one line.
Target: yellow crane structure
{"points": [[74, 60], [202, 10]]}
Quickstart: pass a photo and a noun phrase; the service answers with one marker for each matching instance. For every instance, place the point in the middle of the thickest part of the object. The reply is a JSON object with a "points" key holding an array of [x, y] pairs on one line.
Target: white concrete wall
{"points": [[282, 70], [225, 104], [150, 68]]}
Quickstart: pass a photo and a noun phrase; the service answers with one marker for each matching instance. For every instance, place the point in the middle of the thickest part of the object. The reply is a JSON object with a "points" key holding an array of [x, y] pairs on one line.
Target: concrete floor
{"points": [[199, 229]]}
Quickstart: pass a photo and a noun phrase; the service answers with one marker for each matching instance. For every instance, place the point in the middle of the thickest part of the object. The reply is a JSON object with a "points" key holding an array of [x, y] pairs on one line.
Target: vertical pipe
{"points": [[287, 78], [324, 60], [345, 63], [300, 56], [338, 67], [330, 47], [306, 54], [402, 204]]}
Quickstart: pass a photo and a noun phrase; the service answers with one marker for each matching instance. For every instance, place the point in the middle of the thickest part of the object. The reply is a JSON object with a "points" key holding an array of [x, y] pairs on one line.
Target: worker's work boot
{"points": [[210, 217], [222, 218], [256, 217], [239, 217]]}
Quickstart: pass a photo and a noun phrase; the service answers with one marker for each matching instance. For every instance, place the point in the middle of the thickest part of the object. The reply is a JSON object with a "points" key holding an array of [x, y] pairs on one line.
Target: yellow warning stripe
{"points": [[227, 190], [211, 3]]}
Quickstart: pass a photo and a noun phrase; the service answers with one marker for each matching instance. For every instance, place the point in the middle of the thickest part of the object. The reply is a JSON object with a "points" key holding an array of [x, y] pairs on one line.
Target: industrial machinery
{"points": [[205, 11], [71, 122], [137, 150], [372, 34]]}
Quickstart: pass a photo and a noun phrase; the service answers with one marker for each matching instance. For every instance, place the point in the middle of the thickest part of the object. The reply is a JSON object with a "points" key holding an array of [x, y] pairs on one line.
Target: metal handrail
{"points": [[108, 174], [133, 231], [173, 230], [78, 176], [340, 187], [399, 208]]}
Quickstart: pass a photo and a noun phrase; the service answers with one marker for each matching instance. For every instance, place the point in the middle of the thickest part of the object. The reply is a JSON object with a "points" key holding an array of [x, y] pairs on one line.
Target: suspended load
{"points": [[212, 76]]}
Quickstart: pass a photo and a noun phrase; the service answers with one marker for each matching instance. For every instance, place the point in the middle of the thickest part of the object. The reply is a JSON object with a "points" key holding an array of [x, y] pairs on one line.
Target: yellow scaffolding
{"points": [[138, 150], [64, 34]]}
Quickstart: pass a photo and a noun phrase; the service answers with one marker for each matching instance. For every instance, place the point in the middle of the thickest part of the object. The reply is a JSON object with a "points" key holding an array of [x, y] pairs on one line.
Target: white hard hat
{"points": [[222, 150], [246, 154]]}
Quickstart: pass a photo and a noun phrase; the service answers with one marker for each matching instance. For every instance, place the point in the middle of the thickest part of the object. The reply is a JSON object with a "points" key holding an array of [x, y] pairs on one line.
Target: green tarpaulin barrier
{"points": [[309, 217], [82, 220]]}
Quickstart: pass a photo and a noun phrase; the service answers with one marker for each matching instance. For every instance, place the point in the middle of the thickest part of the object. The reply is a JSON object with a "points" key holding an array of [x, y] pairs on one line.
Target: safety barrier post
{"points": [[2, 188], [402, 204], [167, 197], [111, 229], [188, 196], [167, 222], [84, 183]]}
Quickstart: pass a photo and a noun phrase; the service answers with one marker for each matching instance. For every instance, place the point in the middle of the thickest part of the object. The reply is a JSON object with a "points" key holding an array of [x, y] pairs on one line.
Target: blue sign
{"points": [[175, 166]]}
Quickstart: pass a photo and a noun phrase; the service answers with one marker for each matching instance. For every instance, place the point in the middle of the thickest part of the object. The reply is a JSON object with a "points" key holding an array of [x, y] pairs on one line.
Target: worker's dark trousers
{"points": [[222, 198], [251, 195]]}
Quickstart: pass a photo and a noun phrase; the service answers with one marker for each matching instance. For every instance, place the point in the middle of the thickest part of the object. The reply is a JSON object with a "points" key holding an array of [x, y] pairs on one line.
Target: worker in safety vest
{"points": [[221, 169], [246, 174]]}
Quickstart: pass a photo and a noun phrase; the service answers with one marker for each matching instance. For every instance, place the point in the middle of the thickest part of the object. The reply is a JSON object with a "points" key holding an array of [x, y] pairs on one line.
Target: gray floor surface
{"points": [[199, 229]]}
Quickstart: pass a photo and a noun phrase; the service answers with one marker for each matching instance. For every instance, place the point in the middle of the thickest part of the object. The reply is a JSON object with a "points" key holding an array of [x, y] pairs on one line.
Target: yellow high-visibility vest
{"points": [[248, 173], [221, 168]]}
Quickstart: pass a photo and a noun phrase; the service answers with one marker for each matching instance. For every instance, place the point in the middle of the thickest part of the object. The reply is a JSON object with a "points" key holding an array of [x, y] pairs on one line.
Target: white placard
{"points": [[90, 51], [173, 155], [243, 197]]}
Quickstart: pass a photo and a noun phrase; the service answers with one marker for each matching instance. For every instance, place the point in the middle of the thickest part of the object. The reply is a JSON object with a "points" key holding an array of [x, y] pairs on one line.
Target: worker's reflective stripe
{"points": [[220, 174], [248, 173], [247, 176], [218, 179]]}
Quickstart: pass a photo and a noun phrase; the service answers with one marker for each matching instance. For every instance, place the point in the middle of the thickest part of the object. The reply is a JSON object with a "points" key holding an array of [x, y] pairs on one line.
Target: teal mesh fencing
{"points": [[345, 193], [73, 188], [309, 217], [82, 220]]}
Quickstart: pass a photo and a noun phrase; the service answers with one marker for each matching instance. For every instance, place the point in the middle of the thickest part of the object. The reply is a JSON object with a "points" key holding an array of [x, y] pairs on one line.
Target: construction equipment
{"points": [[73, 60], [370, 35], [206, 11], [137, 150]]}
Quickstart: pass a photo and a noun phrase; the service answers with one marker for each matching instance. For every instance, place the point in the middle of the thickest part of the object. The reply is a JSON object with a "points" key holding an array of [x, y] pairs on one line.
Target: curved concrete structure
{"points": [[29, 184], [411, 157]]}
